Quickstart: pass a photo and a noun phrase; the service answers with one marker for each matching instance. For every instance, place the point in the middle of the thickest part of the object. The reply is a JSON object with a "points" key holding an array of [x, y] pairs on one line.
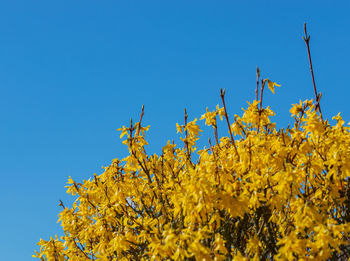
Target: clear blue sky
{"points": [[72, 72]]}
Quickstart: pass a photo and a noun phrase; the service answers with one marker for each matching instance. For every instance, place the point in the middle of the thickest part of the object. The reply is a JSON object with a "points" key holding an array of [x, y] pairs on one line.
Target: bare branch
{"points": [[317, 95]]}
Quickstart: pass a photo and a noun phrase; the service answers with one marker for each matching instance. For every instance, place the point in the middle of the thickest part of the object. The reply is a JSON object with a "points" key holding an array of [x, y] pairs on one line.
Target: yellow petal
{"points": [[272, 85]]}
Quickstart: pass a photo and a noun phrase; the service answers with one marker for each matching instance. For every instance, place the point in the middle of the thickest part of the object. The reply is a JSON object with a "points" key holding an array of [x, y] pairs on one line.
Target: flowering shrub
{"points": [[268, 193]]}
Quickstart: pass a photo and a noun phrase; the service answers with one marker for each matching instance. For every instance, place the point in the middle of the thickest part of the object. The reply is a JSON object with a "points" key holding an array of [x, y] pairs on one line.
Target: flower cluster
{"points": [[280, 194]]}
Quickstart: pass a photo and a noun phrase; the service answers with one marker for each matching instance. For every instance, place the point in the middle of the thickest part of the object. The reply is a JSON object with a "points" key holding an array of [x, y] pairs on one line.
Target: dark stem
{"points": [[257, 83], [81, 250], [186, 134], [216, 133], [216, 163], [141, 115], [222, 94], [61, 204], [317, 96], [262, 92]]}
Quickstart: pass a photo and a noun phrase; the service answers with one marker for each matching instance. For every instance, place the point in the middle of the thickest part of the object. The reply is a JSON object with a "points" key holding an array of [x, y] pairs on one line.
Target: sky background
{"points": [[72, 72]]}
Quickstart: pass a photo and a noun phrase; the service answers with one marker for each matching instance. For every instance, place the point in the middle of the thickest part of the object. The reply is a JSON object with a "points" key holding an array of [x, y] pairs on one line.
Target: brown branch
{"points": [[88, 200], [134, 220], [222, 94], [257, 83], [216, 162], [81, 249], [141, 115], [186, 134], [317, 95], [144, 168], [216, 133], [262, 92], [61, 204]]}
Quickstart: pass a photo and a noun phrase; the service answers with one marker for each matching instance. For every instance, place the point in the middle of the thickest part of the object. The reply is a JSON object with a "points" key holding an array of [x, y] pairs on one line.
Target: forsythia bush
{"points": [[268, 193]]}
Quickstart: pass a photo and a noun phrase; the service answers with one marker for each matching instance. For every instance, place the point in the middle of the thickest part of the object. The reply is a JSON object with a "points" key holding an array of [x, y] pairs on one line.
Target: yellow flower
{"points": [[271, 194], [272, 85]]}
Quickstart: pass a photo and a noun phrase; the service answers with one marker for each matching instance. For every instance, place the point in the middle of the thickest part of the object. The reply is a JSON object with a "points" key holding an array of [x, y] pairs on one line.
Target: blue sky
{"points": [[72, 72]]}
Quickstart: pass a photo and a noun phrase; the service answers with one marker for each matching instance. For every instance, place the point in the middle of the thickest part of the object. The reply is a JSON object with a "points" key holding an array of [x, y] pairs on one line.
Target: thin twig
{"points": [[222, 94], [262, 92], [216, 132], [81, 249], [141, 115], [257, 83], [61, 204], [317, 95], [186, 134], [216, 162]]}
